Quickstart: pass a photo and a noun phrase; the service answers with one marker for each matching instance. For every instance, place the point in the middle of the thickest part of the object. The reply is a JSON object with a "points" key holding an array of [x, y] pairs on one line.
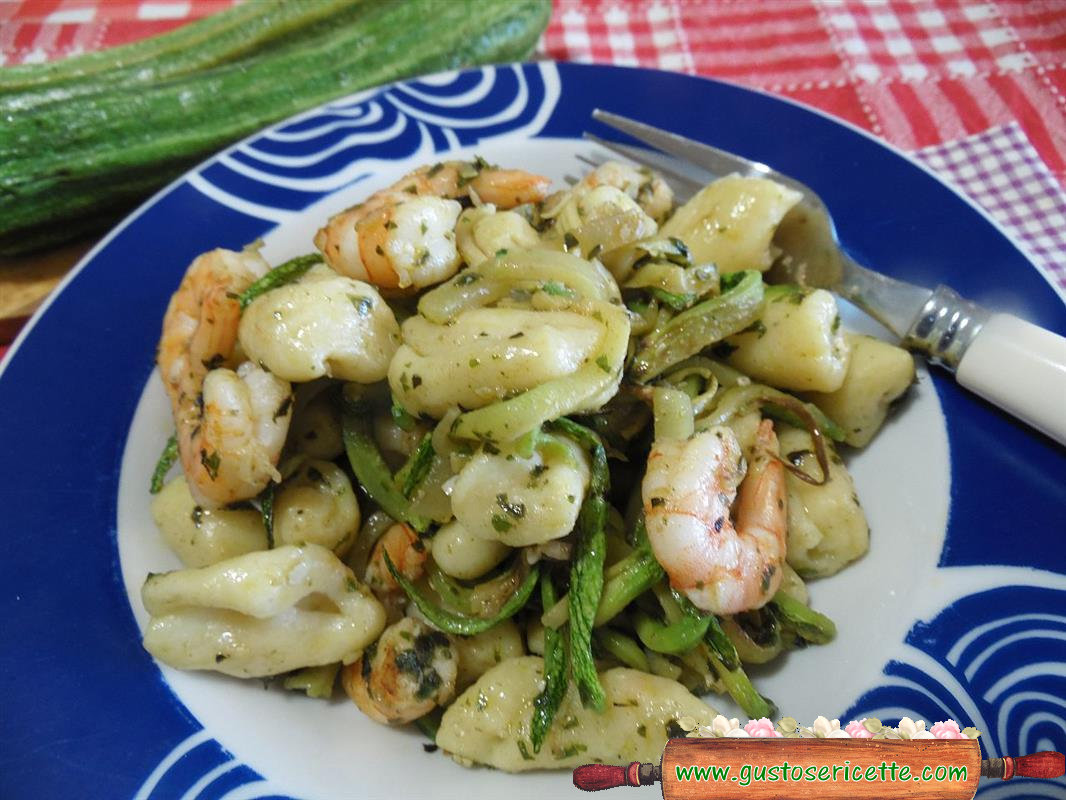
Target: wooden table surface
{"points": [[26, 282]]}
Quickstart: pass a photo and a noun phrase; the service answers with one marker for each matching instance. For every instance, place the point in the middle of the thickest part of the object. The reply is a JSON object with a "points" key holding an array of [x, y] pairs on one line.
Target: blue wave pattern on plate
{"points": [[199, 767], [996, 660], [290, 167]]}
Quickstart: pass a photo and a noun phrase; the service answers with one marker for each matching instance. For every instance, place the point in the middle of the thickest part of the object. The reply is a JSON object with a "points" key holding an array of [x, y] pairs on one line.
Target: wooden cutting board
{"points": [[26, 282]]}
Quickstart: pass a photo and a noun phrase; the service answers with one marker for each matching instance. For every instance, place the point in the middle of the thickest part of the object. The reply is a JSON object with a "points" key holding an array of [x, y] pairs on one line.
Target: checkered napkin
{"points": [[1000, 170]]}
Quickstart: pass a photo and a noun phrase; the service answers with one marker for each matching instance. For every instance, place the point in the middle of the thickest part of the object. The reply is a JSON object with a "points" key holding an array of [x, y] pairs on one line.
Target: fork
{"points": [[1014, 364]]}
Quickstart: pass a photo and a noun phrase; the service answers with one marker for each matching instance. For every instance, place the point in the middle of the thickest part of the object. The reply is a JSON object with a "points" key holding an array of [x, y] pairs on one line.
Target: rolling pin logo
{"points": [[744, 767]]}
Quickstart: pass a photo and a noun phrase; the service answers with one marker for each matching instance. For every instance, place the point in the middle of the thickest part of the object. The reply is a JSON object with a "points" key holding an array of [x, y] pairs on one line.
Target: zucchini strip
{"points": [[816, 628], [163, 465], [279, 276], [266, 508], [675, 637], [586, 566], [635, 574], [702, 325], [460, 624], [621, 647], [486, 598], [721, 645], [546, 704], [414, 472], [373, 473], [739, 687]]}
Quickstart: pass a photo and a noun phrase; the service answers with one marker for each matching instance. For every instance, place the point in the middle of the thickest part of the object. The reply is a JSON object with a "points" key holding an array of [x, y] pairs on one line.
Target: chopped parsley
{"points": [[211, 463]]}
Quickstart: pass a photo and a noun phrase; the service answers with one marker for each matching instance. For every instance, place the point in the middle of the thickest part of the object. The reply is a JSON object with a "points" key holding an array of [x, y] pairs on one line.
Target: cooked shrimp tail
{"points": [[722, 565], [402, 238], [230, 425]]}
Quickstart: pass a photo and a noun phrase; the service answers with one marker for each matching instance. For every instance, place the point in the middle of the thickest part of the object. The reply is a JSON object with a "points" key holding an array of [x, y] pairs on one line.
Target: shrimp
{"points": [[688, 490], [407, 553], [650, 191], [402, 676], [402, 238], [231, 425]]}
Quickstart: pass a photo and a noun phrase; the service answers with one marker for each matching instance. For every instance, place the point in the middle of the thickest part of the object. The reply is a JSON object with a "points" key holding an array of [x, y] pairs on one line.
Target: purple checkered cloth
{"points": [[1001, 171]]}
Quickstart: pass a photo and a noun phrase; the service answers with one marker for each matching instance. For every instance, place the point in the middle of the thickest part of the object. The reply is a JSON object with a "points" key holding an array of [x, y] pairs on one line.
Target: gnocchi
{"points": [[796, 344], [323, 325], [261, 613], [317, 505], [827, 528], [486, 355], [203, 536], [483, 231], [490, 722], [731, 222], [878, 374], [463, 556], [516, 500], [480, 653]]}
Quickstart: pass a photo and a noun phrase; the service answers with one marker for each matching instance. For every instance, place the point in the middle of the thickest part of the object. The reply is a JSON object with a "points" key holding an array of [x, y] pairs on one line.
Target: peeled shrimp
{"points": [[722, 566], [405, 674], [402, 238], [231, 425], [407, 553]]}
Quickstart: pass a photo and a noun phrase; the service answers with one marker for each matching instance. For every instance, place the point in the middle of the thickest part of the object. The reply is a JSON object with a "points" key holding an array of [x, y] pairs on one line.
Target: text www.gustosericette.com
{"points": [[885, 772]]}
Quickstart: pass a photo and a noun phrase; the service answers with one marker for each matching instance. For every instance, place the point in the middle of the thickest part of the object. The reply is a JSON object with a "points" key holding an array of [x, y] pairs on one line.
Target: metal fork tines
{"points": [[688, 165]]}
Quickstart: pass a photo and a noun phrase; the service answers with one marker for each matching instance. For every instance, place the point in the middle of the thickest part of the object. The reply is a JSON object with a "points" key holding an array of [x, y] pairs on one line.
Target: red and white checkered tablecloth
{"points": [[916, 73], [976, 90]]}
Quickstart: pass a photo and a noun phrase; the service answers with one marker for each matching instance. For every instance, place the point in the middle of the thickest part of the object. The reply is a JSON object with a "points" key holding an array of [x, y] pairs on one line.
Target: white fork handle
{"points": [[1021, 368]]}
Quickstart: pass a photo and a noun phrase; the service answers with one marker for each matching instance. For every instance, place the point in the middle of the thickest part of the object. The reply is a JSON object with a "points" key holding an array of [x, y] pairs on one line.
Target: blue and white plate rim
{"points": [[898, 673]]}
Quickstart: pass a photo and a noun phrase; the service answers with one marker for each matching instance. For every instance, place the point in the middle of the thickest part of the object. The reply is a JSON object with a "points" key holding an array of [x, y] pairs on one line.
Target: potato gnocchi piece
{"points": [[324, 324], [396, 443], [796, 344], [490, 722], [480, 653], [482, 232], [317, 505], [878, 375], [486, 355], [827, 528], [522, 501], [261, 613], [731, 222], [405, 674], [652, 193], [601, 218], [202, 536], [463, 556]]}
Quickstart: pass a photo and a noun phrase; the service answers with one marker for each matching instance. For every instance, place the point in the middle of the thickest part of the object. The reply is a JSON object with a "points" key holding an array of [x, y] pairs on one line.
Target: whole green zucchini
{"points": [[216, 39], [94, 155]]}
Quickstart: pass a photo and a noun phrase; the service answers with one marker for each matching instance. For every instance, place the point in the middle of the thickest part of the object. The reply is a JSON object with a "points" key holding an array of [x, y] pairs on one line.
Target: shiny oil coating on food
{"points": [[529, 459]]}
